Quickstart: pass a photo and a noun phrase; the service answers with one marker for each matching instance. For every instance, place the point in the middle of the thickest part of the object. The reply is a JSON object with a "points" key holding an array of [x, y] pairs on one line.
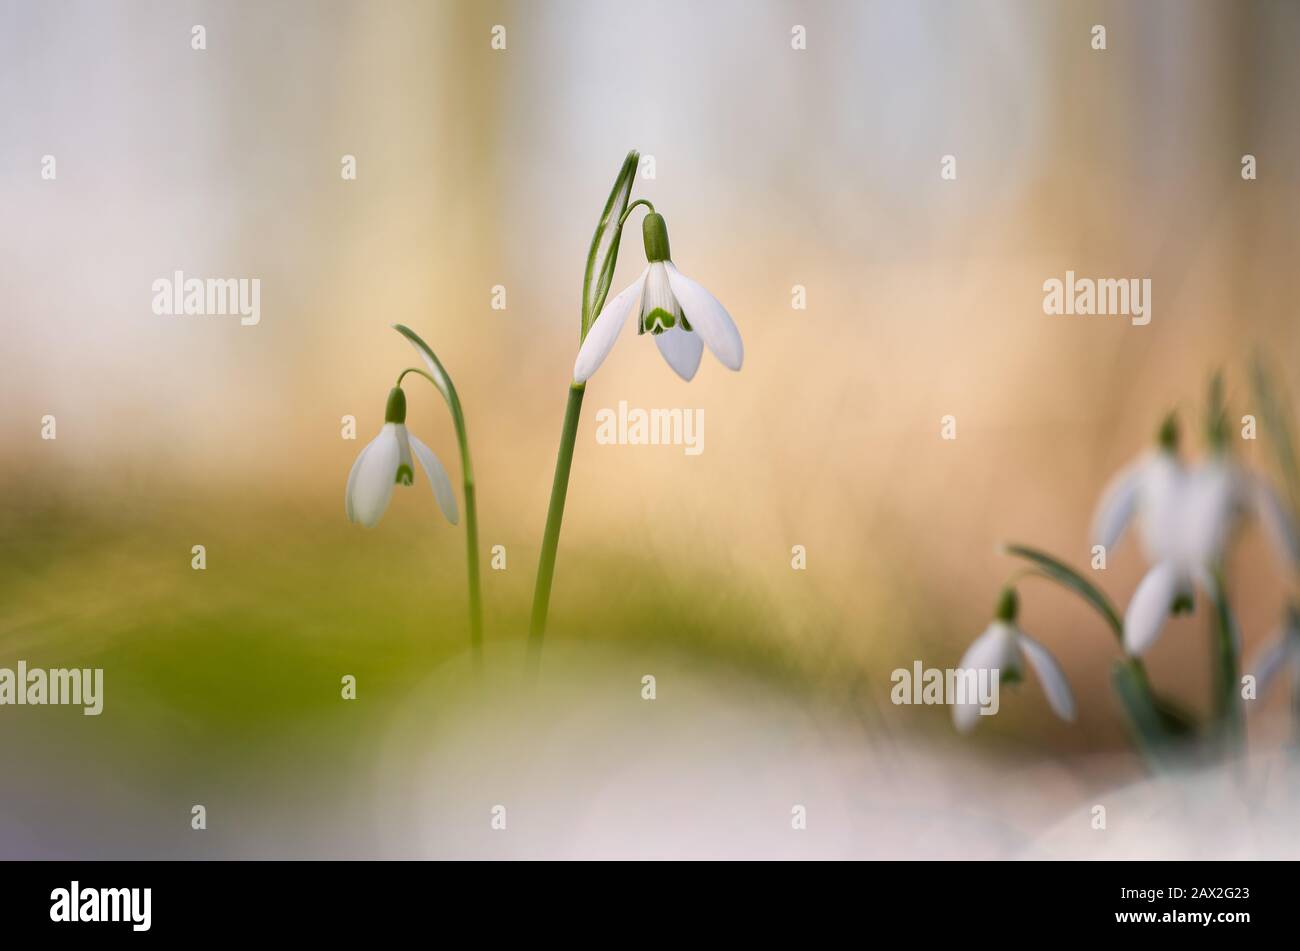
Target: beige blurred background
{"points": [[774, 167]]}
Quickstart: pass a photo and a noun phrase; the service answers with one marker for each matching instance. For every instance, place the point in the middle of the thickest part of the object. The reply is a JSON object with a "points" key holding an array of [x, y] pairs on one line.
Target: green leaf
{"points": [[440, 378], [1216, 413], [1176, 720], [1158, 726], [1065, 575], [1130, 682], [1277, 423], [604, 243], [1226, 638]]}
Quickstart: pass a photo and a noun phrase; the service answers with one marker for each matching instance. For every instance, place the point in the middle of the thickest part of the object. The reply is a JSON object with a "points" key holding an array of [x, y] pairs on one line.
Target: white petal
{"points": [[658, 295], [1149, 609], [1050, 676], [605, 329], [1161, 500], [1208, 511], [442, 490], [995, 649], [1278, 523], [1118, 502], [682, 349], [1268, 661], [708, 318], [372, 483], [404, 455], [352, 480]]}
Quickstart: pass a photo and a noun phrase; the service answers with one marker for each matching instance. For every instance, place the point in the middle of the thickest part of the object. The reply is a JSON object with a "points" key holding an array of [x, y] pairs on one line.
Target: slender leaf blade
{"points": [[1065, 575], [431, 361], [604, 243]]}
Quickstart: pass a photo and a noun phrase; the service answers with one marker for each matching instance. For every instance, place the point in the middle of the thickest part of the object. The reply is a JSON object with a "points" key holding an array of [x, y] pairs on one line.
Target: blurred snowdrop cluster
{"points": [[1187, 516], [1188, 513]]}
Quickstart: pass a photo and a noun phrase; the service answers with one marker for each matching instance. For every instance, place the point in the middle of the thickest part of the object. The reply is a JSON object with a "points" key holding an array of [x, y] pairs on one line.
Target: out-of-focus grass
{"points": [[222, 686], [221, 662]]}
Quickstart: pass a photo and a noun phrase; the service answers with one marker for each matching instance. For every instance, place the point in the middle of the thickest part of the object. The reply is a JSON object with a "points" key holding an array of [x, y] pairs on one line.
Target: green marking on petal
{"points": [[404, 475], [659, 320]]}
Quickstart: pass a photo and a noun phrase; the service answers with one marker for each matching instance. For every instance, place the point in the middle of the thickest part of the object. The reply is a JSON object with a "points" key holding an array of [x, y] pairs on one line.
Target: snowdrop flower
{"points": [[1150, 490], [1188, 516], [386, 461], [1004, 647], [1282, 653], [680, 314], [1221, 494], [1155, 490]]}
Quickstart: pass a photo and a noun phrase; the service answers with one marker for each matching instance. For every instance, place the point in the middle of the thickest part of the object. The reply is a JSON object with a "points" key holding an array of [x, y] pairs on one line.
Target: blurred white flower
{"points": [[386, 461], [679, 313], [1212, 500], [1003, 647], [1187, 517], [1150, 489]]}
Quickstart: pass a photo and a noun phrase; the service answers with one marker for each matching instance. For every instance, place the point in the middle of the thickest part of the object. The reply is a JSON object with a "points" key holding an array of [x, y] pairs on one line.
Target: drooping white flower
{"points": [[1167, 589], [1213, 499], [1003, 647], [1186, 516], [1221, 495], [1151, 491], [679, 313], [386, 462]]}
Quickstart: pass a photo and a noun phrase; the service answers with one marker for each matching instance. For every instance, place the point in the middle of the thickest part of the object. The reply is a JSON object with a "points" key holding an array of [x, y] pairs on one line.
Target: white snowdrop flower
{"points": [[1150, 490], [1164, 591], [386, 461], [1221, 494], [1191, 515], [679, 313], [1003, 648]]}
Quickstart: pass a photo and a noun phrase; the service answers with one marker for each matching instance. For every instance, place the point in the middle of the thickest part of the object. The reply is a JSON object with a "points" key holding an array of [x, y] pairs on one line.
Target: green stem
{"points": [[448, 390], [595, 286], [471, 554], [554, 519], [640, 201], [1223, 641]]}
